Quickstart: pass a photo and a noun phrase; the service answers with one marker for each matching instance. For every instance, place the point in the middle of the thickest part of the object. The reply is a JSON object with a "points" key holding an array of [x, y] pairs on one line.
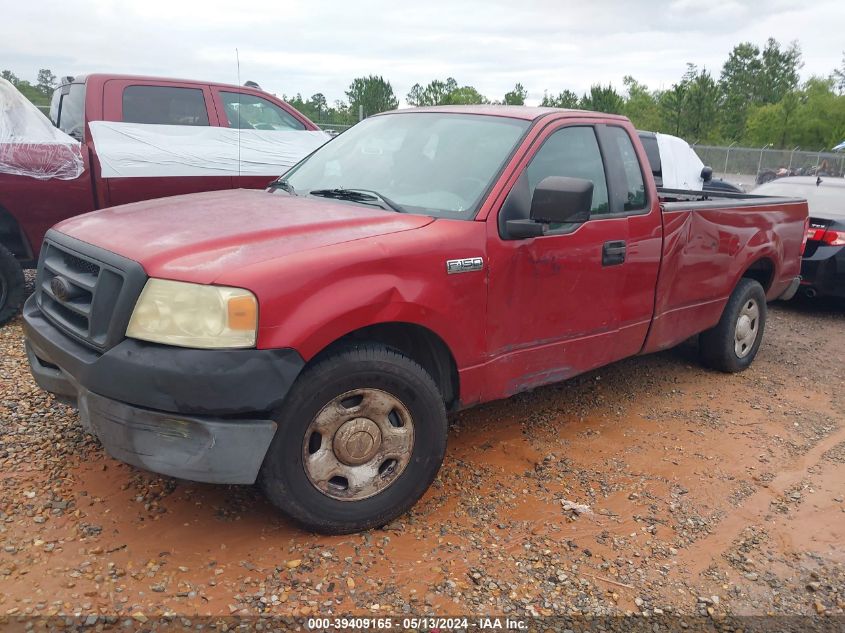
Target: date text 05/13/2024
{"points": [[418, 623]]}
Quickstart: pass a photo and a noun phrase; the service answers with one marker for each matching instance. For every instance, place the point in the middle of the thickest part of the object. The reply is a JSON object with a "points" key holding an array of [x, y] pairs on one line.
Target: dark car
{"points": [[721, 185], [823, 266]]}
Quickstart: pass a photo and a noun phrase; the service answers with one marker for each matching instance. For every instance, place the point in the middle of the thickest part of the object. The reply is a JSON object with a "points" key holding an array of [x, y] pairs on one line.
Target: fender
{"points": [[322, 332], [36, 205], [309, 299]]}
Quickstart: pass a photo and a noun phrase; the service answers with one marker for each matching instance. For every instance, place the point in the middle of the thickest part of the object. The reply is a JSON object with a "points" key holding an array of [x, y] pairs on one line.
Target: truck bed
{"points": [[671, 196], [710, 239]]}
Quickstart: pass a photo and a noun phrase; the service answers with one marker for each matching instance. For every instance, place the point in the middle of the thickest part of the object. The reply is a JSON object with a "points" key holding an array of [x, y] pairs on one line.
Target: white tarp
{"points": [[30, 145], [680, 166], [135, 150]]}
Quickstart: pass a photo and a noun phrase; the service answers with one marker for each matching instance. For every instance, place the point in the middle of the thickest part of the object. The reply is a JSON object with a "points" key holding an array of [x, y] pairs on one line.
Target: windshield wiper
{"points": [[284, 185], [364, 196]]}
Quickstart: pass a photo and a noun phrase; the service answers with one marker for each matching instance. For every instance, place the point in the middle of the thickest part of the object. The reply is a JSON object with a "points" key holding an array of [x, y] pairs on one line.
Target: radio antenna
{"points": [[238, 64]]}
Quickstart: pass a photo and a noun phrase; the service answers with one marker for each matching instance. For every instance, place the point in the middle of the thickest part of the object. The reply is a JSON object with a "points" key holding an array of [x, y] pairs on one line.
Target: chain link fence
{"points": [[763, 164], [332, 128]]}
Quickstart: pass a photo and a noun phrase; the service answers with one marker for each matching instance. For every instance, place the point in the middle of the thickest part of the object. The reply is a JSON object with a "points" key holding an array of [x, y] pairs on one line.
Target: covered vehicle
{"points": [[116, 139], [823, 263], [31, 148], [30, 145], [675, 165], [313, 336]]}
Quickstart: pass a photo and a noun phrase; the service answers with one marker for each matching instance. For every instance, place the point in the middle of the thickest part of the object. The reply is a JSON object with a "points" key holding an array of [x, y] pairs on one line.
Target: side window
{"points": [[55, 103], [164, 105], [249, 112], [635, 199], [573, 152], [649, 142], [70, 111]]}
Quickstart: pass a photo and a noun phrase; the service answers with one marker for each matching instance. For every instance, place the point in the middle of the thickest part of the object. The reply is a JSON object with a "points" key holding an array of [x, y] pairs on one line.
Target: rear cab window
{"points": [[625, 173], [649, 141], [633, 194]]}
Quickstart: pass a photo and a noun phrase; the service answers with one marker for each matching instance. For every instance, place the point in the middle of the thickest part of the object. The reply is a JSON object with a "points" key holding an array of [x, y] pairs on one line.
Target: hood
{"points": [[198, 237]]}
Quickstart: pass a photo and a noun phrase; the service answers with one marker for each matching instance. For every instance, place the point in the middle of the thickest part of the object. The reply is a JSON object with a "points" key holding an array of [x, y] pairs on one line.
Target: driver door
{"points": [[557, 296]]}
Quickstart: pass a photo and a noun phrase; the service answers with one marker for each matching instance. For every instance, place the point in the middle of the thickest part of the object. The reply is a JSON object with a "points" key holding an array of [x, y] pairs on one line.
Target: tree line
{"points": [[40, 92], [756, 99], [373, 94]]}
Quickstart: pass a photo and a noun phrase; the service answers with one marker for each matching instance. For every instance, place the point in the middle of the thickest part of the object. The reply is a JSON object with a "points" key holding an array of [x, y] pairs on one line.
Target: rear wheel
{"points": [[732, 345], [12, 285], [361, 437]]}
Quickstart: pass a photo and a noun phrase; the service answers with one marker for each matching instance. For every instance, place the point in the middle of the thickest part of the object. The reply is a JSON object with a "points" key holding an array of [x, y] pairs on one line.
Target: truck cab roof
{"points": [[101, 78], [528, 113]]}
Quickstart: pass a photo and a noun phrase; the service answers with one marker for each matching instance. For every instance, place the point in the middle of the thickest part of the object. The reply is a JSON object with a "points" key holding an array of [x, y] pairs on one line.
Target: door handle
{"points": [[613, 253]]}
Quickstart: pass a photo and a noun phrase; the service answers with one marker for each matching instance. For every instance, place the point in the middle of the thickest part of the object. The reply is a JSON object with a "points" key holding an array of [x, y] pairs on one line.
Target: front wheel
{"points": [[12, 285], [733, 343], [361, 437]]}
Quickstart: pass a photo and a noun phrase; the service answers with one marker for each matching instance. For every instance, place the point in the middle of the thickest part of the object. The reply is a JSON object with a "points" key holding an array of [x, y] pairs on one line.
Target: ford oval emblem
{"points": [[60, 288]]}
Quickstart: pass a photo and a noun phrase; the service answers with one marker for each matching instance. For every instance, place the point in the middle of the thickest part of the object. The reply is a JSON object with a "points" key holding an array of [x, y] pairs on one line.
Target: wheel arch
{"points": [[418, 342], [761, 270], [13, 237]]}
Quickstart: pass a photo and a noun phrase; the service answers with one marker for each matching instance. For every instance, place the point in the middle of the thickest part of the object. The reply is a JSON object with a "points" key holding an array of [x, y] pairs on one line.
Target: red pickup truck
{"points": [[313, 336], [28, 207]]}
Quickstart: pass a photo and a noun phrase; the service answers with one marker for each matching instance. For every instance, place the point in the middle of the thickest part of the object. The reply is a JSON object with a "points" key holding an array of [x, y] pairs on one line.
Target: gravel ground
{"points": [[649, 487]]}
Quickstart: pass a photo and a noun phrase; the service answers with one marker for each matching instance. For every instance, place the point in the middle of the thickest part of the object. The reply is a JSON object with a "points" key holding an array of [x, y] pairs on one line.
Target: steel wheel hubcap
{"points": [[358, 444], [357, 441], [747, 327]]}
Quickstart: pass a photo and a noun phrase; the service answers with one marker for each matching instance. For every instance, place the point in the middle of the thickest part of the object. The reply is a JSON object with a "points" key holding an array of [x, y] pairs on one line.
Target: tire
{"points": [[728, 346], [12, 286], [326, 424]]}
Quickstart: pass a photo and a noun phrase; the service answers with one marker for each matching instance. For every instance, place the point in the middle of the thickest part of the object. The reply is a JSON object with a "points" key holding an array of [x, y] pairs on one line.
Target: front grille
{"points": [[85, 291], [81, 265]]}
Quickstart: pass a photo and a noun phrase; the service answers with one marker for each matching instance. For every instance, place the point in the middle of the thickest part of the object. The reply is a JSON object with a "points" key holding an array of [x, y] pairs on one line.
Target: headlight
{"points": [[194, 315]]}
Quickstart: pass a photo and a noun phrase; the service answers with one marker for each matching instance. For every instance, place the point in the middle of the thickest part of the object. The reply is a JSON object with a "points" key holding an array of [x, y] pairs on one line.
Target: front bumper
{"points": [[187, 447], [202, 415]]}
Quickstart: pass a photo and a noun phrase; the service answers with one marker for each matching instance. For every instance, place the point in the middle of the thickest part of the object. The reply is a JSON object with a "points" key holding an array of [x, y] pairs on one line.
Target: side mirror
{"points": [[707, 174], [562, 200]]}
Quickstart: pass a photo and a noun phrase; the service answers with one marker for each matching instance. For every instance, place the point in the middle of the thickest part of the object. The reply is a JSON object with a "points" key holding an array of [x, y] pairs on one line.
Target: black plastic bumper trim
{"points": [[198, 449], [169, 379]]}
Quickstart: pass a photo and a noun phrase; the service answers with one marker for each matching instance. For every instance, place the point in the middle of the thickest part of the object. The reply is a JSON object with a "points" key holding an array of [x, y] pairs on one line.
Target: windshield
{"points": [[438, 164], [827, 199]]}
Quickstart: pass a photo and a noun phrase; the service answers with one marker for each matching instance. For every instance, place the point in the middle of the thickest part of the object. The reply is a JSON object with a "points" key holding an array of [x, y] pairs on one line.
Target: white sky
{"points": [[319, 46]]}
